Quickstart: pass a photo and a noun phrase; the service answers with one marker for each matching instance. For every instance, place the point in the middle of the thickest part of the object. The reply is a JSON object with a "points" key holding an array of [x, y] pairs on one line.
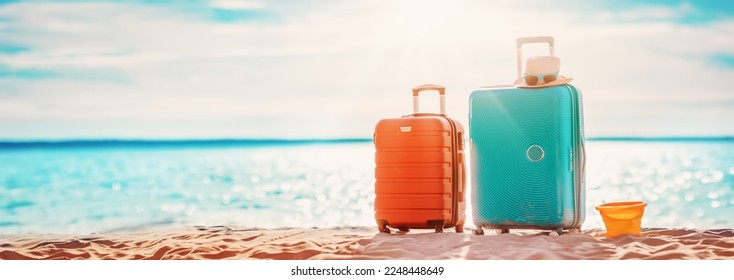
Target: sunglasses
{"points": [[532, 80]]}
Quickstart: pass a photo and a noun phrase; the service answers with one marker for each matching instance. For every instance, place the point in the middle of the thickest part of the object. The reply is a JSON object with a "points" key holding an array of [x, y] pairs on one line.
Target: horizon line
{"points": [[173, 142], [283, 141]]}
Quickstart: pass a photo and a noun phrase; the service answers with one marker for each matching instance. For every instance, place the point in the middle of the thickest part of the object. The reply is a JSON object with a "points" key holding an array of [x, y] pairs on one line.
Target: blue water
{"points": [[116, 187]]}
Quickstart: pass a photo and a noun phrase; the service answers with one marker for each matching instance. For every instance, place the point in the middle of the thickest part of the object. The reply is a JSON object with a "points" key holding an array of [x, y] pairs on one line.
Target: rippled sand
{"points": [[366, 243]]}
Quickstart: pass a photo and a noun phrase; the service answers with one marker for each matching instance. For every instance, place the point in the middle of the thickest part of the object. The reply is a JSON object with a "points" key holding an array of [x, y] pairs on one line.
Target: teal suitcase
{"points": [[527, 158]]}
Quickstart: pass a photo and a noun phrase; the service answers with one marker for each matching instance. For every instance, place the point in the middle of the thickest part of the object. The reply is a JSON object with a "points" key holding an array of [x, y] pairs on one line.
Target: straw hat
{"points": [[543, 65]]}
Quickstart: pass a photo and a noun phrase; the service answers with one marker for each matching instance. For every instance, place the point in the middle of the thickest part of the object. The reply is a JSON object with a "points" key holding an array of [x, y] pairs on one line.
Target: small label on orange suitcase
{"points": [[406, 128]]}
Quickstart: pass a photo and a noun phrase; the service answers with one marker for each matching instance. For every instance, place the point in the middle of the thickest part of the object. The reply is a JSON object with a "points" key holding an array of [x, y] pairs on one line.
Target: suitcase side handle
{"points": [[531, 40], [441, 92]]}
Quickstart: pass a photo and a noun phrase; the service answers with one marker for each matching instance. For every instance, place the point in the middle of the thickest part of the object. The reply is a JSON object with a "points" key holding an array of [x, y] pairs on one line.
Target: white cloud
{"points": [[335, 69]]}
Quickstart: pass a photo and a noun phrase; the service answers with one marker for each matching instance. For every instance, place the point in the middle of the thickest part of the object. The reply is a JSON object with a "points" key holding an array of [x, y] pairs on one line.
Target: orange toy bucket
{"points": [[622, 217]]}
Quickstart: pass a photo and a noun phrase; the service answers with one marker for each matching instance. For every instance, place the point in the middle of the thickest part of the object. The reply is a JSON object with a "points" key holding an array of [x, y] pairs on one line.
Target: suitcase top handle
{"points": [[441, 93], [531, 40]]}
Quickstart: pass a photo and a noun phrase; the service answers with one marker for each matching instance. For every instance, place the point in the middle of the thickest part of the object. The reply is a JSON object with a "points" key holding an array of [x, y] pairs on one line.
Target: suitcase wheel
{"points": [[382, 226], [403, 229], [459, 229], [478, 231], [437, 225], [576, 229], [439, 229]]}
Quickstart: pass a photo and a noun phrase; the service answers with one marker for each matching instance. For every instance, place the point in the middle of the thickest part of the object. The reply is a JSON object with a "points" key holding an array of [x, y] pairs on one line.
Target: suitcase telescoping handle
{"points": [[441, 93], [531, 40]]}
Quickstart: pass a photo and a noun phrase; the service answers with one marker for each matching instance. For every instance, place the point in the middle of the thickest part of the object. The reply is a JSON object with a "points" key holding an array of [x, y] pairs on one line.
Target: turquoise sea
{"points": [[87, 187]]}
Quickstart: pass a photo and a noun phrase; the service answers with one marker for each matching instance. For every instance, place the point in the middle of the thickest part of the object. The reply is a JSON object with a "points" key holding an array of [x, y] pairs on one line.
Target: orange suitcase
{"points": [[419, 170]]}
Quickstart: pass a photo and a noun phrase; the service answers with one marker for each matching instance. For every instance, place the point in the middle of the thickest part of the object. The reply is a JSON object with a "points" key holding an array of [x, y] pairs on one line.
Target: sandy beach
{"points": [[365, 243]]}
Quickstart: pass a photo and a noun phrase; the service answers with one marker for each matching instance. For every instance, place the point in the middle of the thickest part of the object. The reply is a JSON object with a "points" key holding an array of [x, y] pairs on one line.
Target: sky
{"points": [[333, 69]]}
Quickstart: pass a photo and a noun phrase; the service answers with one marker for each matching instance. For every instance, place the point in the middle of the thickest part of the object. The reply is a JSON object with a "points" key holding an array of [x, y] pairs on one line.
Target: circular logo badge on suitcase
{"points": [[535, 153]]}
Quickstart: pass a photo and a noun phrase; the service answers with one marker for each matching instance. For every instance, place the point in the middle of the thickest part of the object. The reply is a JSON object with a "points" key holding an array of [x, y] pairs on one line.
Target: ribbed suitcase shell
{"points": [[419, 173], [515, 185]]}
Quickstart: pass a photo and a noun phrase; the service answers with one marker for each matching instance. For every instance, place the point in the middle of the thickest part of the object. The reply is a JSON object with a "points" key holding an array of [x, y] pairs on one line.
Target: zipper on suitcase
{"points": [[572, 162], [577, 142], [454, 172]]}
